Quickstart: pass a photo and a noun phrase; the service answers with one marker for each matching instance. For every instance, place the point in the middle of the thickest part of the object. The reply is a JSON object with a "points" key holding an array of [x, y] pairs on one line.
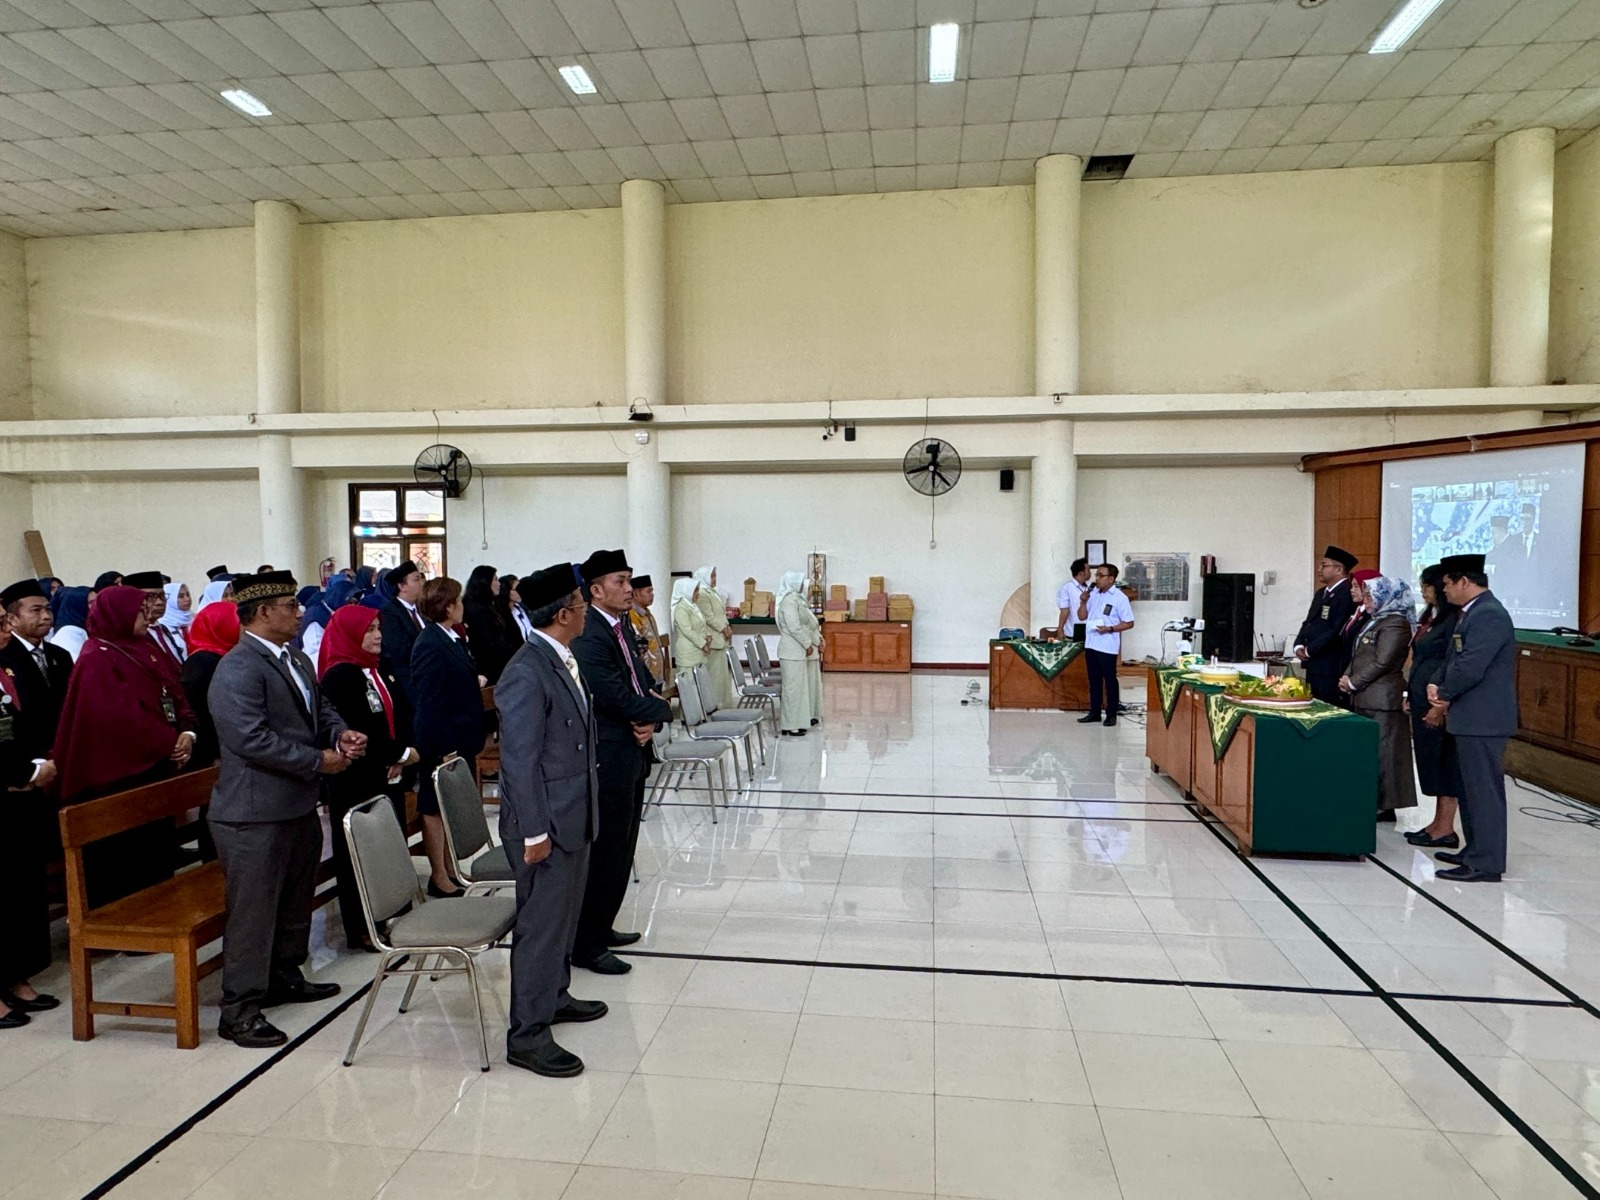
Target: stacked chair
{"points": [[466, 831]]}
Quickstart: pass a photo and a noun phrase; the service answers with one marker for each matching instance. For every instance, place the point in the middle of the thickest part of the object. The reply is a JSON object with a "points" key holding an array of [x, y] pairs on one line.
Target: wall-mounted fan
{"points": [[444, 467], [932, 466]]}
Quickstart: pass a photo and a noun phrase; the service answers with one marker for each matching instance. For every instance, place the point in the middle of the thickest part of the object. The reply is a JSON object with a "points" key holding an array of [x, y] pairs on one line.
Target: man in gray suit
{"points": [[278, 736], [1476, 700], [549, 812]]}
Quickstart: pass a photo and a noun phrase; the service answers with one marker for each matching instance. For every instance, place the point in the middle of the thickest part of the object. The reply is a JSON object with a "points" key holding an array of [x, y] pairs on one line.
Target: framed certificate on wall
{"points": [[1095, 552]]}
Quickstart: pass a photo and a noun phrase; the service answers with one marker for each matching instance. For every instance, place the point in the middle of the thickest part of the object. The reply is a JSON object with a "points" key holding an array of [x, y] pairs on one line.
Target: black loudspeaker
{"points": [[1228, 604], [1008, 479]]}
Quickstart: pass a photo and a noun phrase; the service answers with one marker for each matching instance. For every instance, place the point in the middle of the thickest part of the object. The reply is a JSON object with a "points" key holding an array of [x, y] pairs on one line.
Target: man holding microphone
{"points": [[1106, 613]]}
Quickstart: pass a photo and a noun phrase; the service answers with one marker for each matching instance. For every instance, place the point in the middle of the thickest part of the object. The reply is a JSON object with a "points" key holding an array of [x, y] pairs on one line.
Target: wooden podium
{"points": [[1015, 684], [866, 646]]}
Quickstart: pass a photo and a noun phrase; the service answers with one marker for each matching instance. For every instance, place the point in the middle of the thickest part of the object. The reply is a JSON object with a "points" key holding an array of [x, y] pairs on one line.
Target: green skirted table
{"points": [[1030, 674], [1282, 782]]}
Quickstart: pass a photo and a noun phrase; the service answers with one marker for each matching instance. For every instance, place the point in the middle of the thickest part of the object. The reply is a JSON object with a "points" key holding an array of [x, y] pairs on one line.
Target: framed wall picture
{"points": [[1095, 552]]}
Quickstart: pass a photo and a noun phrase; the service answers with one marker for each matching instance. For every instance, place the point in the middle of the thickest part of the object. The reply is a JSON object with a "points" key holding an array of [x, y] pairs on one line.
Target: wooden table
{"points": [[1276, 790], [1558, 716], [1015, 684], [866, 646]]}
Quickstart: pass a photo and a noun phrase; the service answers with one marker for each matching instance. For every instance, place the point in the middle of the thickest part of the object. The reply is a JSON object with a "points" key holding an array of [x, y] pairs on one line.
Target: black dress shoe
{"points": [[816, 720], [40, 1003], [1453, 858], [305, 992], [576, 1011], [1386, 817], [1089, 719], [1468, 875], [14, 1020], [1421, 837], [604, 964], [1109, 722], [622, 939], [547, 1059], [257, 1033], [793, 732], [435, 892]]}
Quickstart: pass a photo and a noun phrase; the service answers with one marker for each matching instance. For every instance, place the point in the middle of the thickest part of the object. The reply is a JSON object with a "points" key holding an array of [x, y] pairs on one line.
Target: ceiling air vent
{"points": [[1107, 166]]}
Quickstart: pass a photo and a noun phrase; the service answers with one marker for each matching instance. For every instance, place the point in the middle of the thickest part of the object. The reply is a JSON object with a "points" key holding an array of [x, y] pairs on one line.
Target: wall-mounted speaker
{"points": [[1008, 479]]}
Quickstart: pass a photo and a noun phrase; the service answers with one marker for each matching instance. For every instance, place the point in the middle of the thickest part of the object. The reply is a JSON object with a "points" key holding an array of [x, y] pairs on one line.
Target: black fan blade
{"points": [[939, 475]]}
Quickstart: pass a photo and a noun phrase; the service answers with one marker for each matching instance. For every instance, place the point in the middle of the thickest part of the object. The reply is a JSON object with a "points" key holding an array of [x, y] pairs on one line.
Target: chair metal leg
{"points": [[477, 1006], [366, 1009], [422, 965]]}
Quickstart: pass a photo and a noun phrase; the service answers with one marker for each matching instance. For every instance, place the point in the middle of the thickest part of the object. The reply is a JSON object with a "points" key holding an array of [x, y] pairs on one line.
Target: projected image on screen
{"points": [[1520, 509]]}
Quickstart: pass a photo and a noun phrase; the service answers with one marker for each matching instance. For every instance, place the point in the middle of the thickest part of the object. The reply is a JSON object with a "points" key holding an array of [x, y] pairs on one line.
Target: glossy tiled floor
{"points": [[937, 952]]}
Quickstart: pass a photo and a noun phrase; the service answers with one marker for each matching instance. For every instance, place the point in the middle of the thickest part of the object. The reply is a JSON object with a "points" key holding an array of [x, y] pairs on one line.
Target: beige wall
{"points": [[144, 324], [16, 518], [852, 297], [1575, 271], [178, 525], [16, 386], [1294, 281], [523, 310]]}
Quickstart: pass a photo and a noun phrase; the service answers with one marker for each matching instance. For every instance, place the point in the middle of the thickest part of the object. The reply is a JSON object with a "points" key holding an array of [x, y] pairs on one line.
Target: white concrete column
{"points": [[1053, 527], [277, 307], [1524, 200], [283, 514], [644, 335], [1057, 182]]}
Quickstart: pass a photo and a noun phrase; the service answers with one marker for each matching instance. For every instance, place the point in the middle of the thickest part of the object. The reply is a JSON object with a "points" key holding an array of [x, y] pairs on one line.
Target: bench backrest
{"points": [[93, 820]]}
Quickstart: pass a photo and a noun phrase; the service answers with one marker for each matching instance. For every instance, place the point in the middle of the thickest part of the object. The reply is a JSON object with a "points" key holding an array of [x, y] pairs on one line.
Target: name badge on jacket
{"points": [[1327, 611], [1455, 640], [169, 710]]}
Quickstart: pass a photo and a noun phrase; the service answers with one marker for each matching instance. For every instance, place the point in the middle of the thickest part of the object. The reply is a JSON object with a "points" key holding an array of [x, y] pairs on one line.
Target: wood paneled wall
{"points": [[1348, 511], [1589, 544]]}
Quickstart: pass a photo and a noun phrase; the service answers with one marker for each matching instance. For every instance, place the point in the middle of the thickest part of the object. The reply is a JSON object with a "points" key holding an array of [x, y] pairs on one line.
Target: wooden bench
{"points": [[176, 916]]}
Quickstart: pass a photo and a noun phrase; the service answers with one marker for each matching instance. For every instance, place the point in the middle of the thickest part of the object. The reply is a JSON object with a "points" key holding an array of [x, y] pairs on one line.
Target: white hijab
{"points": [[683, 591], [175, 618], [703, 576], [212, 594], [792, 581]]}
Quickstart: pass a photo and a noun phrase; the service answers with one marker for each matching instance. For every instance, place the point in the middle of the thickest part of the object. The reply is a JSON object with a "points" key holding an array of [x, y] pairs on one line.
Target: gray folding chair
{"points": [[752, 692], [679, 761], [452, 931], [466, 830], [702, 729], [750, 722], [768, 671]]}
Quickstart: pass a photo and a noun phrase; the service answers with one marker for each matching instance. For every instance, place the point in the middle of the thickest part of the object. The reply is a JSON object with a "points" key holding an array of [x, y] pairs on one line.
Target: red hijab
{"points": [[341, 641], [114, 724], [215, 628]]}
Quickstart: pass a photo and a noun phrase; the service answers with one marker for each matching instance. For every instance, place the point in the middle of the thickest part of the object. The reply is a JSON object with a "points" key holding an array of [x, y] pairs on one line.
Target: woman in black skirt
{"points": [[1437, 771]]}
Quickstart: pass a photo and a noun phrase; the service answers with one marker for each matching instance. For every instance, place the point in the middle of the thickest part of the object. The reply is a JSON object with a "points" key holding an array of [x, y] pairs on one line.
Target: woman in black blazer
{"points": [[1437, 770], [448, 717], [370, 700], [490, 630]]}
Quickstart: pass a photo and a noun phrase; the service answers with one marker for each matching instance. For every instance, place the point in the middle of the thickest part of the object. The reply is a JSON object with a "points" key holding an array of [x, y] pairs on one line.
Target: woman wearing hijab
{"points": [[214, 631], [714, 608], [1376, 684], [690, 638], [125, 723], [493, 637], [371, 701], [316, 617], [798, 649], [70, 607], [1437, 771], [177, 616], [215, 591], [379, 593]]}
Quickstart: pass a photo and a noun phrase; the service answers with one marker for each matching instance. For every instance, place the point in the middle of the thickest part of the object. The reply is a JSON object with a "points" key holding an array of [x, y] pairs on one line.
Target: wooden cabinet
{"points": [[866, 646], [1543, 703], [1558, 716], [1014, 684]]}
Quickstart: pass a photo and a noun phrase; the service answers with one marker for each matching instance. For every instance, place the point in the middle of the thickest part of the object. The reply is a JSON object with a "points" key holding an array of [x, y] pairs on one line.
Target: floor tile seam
{"points": [[1534, 1139], [940, 796], [1537, 972]]}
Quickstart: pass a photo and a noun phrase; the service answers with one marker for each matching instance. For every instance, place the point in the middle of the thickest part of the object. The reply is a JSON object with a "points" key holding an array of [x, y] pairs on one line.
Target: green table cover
{"points": [[1554, 641], [1048, 659]]}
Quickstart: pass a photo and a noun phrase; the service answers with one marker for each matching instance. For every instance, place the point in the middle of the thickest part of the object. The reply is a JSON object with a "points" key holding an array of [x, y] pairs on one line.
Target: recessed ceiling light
{"points": [[578, 80], [1405, 22], [943, 41], [246, 103]]}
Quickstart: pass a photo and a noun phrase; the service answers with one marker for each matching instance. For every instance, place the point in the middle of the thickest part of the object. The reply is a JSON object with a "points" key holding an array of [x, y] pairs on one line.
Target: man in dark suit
{"points": [[627, 708], [400, 622], [549, 812], [1476, 701], [1320, 643], [279, 735], [40, 670]]}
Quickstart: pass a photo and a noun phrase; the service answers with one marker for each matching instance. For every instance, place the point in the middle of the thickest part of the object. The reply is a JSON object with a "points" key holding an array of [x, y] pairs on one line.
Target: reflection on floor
{"points": [[1012, 965]]}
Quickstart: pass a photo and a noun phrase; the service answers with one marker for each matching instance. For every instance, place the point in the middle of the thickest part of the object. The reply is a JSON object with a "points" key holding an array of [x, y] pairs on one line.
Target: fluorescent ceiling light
{"points": [[943, 41], [578, 80], [1406, 22], [246, 103]]}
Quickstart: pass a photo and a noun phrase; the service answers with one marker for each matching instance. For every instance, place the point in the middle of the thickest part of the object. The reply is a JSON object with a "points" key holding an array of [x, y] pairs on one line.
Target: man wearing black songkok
{"points": [[1319, 645]]}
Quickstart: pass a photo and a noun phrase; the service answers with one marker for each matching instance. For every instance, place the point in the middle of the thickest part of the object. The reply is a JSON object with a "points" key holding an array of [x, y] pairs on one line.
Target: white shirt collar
{"points": [[407, 605], [449, 632], [30, 647], [610, 620], [275, 651], [564, 653], [1471, 602]]}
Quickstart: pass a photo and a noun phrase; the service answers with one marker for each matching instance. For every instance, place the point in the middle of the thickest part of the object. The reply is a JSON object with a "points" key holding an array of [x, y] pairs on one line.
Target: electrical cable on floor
{"points": [[1572, 812]]}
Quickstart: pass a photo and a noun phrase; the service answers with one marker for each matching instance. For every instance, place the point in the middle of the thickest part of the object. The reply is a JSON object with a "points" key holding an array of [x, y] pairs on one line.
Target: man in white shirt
{"points": [[549, 815], [519, 613], [1069, 598], [1106, 613]]}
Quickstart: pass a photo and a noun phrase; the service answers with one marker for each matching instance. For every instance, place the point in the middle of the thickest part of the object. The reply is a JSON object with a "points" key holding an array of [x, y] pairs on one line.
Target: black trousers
{"points": [[24, 889], [1102, 682], [621, 771], [355, 924], [270, 872]]}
